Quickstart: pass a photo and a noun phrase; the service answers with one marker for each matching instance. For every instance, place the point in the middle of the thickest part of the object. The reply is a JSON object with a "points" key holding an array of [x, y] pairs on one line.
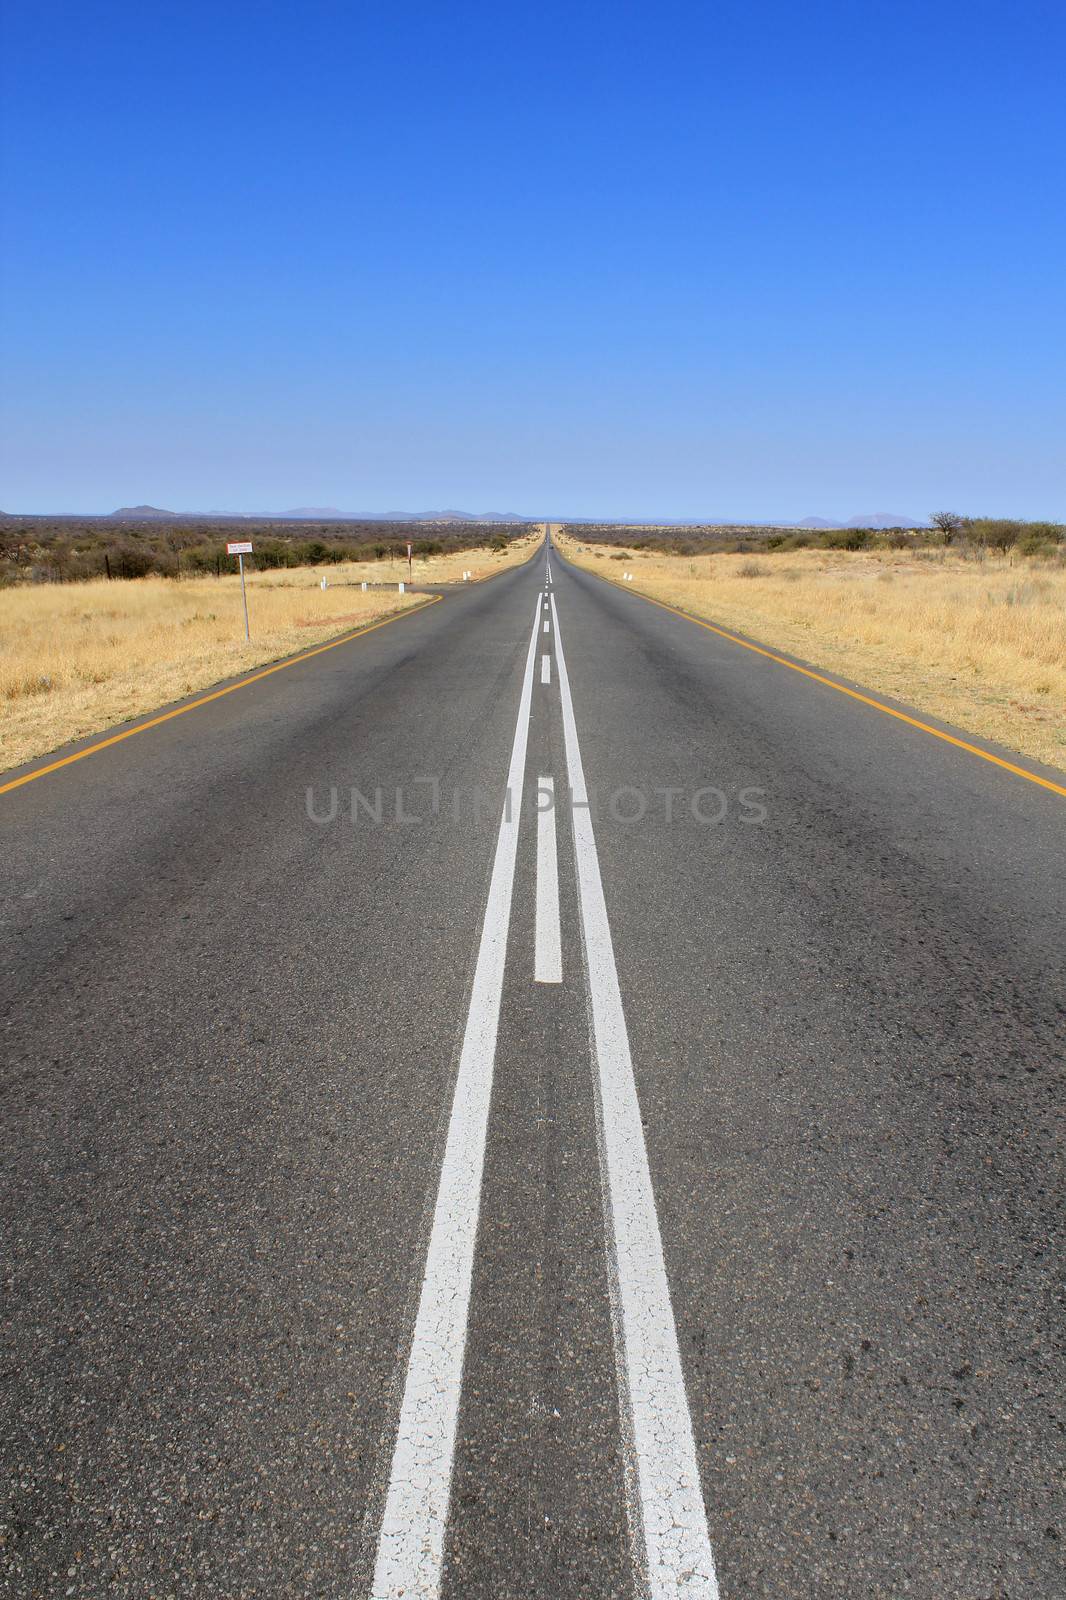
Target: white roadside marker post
{"points": [[241, 548]]}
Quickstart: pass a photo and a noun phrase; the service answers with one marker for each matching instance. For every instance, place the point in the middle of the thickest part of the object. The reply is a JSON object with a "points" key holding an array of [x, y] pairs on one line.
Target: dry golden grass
{"points": [[77, 658], [980, 644], [481, 563]]}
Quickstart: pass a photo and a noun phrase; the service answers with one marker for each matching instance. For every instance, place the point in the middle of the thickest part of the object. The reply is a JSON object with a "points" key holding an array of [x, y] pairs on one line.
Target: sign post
{"points": [[409, 576], [241, 548]]}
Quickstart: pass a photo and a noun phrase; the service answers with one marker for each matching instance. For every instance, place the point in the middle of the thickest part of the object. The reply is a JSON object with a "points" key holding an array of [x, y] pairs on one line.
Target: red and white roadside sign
{"points": [[241, 547]]}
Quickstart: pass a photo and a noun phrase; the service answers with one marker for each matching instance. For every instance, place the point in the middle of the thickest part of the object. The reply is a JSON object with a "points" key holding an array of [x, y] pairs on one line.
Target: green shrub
{"points": [[847, 539], [131, 561], [1048, 533]]}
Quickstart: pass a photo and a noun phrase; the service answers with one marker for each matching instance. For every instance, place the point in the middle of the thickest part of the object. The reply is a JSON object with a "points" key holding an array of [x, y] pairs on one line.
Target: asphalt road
{"points": [[382, 1219]]}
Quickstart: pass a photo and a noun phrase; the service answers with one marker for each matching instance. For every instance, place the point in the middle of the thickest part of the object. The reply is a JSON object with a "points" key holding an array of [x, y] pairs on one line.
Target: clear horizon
{"points": [[724, 264], [472, 511]]}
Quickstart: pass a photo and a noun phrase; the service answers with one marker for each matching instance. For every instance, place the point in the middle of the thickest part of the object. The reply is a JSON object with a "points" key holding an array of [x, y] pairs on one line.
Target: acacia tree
{"points": [[176, 541], [948, 522], [998, 533]]}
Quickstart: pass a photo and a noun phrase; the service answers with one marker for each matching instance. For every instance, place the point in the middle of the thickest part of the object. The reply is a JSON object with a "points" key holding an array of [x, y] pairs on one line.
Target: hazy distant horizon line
{"points": [[810, 519], [327, 513]]}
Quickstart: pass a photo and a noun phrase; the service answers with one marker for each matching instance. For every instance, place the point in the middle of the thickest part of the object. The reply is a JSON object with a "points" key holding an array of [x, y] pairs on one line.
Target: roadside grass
{"points": [[480, 562], [77, 658], [980, 644]]}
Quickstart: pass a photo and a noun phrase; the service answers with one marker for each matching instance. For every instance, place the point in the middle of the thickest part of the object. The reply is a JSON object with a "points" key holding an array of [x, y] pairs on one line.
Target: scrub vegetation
{"points": [[76, 658], [72, 549], [967, 629]]}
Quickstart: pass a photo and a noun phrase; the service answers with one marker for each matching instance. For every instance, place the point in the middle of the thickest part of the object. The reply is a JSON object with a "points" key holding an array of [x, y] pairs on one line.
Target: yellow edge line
{"points": [[852, 694], [216, 694]]}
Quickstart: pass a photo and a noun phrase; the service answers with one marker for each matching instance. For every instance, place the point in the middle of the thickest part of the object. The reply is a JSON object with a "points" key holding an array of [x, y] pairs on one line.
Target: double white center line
{"points": [[411, 1543], [672, 1547], [672, 1555]]}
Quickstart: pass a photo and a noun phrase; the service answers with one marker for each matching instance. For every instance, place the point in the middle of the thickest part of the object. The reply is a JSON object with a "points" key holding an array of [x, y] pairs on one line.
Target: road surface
{"points": [[644, 1187]]}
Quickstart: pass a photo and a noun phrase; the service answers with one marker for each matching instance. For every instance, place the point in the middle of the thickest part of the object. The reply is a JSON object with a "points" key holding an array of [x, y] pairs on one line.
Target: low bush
{"points": [[847, 539], [74, 549]]}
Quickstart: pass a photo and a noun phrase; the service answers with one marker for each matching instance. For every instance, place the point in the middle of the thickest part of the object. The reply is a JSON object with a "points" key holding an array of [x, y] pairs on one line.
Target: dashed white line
{"points": [[548, 947], [668, 1522], [546, 627], [411, 1543], [545, 669]]}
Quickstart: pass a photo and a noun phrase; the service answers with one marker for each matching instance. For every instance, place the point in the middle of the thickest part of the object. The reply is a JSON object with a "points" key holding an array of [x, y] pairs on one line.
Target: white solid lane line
{"points": [[668, 1522], [411, 1543], [545, 669], [548, 956]]}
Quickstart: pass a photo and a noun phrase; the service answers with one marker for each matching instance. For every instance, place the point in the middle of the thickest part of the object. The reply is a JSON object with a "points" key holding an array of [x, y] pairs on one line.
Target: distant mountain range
{"points": [[865, 519], [146, 513], [140, 513], [873, 519], [319, 514]]}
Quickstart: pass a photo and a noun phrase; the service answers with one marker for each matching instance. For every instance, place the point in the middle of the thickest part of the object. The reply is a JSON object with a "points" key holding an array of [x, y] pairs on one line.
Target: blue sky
{"points": [[688, 260]]}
